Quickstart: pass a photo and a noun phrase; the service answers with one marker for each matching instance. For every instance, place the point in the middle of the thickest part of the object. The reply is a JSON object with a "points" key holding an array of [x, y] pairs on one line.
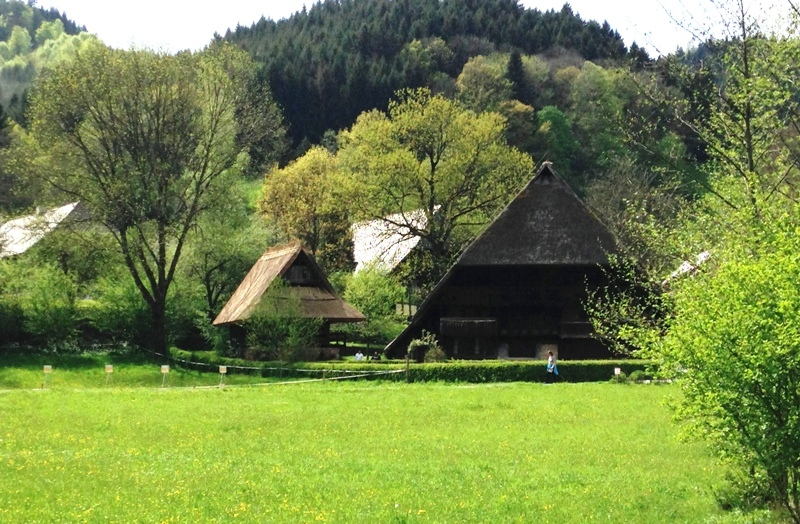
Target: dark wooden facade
{"points": [[518, 290]]}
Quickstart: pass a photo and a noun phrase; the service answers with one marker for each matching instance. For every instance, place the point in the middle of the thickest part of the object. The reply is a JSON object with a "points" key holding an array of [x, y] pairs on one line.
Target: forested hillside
{"points": [[341, 57], [31, 38]]}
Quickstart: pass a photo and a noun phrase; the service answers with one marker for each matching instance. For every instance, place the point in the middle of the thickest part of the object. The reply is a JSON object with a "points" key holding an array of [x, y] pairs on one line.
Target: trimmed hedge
{"points": [[475, 371]]}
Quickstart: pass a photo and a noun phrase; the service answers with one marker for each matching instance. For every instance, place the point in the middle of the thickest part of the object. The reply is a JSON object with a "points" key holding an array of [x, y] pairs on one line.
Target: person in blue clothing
{"points": [[552, 368]]}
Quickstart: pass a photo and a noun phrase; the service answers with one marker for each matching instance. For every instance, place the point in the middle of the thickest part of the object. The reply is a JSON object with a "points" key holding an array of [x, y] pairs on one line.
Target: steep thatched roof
{"points": [[545, 225], [21, 234], [317, 300]]}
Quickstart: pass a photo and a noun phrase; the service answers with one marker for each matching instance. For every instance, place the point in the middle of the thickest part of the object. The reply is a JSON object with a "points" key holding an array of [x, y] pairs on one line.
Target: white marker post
{"points": [[164, 373], [109, 372], [617, 371], [223, 370], [48, 370]]}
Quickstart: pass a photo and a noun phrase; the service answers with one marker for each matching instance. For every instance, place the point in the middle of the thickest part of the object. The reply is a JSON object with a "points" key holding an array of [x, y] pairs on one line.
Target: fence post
{"points": [[47, 370], [408, 366]]}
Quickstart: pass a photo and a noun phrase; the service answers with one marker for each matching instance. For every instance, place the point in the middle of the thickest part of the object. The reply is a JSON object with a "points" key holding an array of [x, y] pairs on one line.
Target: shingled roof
{"points": [[545, 224], [316, 301]]}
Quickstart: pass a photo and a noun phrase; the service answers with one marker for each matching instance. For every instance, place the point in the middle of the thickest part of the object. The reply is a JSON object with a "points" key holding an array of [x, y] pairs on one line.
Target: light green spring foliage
{"points": [[432, 154], [597, 101], [751, 141], [225, 243], [734, 341], [147, 142], [277, 329], [375, 292], [747, 141], [28, 52], [482, 84], [537, 74], [39, 300], [304, 200], [360, 452]]}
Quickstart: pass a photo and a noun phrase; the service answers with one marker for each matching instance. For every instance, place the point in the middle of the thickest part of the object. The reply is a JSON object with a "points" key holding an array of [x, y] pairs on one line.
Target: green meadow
{"points": [[352, 452], [87, 370]]}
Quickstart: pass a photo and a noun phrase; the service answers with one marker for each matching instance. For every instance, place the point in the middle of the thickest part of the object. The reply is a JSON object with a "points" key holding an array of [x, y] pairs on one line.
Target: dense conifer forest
{"points": [[329, 63]]}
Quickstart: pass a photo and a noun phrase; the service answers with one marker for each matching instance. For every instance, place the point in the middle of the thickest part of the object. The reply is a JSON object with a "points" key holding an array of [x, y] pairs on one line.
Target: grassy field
{"points": [[352, 452], [24, 371]]}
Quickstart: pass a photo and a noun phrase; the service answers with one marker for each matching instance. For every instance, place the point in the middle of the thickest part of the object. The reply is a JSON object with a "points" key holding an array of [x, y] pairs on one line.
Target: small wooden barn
{"points": [[518, 289], [306, 282]]}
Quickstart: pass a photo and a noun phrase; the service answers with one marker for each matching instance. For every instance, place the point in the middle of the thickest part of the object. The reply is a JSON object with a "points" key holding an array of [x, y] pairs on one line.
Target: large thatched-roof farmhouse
{"points": [[518, 289]]}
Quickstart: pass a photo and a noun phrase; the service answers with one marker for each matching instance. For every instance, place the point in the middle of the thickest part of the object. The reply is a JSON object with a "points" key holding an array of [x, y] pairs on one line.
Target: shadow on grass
{"points": [[34, 359]]}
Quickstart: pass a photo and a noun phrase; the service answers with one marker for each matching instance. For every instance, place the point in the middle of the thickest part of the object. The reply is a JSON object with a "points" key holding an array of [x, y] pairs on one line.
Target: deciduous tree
{"points": [[142, 139], [432, 154], [302, 199]]}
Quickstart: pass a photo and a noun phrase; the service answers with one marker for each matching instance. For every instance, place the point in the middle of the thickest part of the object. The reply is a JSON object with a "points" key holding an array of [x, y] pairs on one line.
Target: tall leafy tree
{"points": [[226, 241], [142, 140], [729, 328], [483, 84], [431, 154], [302, 199]]}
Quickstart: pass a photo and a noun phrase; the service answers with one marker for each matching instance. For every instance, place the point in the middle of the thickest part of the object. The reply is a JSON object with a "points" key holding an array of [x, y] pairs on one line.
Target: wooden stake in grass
{"points": [[164, 374], [223, 370], [48, 370], [109, 373]]}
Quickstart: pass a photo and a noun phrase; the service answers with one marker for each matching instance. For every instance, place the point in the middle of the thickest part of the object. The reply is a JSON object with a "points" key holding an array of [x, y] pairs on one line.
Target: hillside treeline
{"points": [[31, 39], [329, 63]]}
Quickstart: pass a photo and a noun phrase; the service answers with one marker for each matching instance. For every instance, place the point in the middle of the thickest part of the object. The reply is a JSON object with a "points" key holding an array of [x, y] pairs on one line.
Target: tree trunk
{"points": [[158, 340]]}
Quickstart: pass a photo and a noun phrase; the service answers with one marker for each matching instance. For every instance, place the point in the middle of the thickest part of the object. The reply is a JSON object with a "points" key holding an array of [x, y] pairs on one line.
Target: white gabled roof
{"points": [[687, 267], [384, 243], [20, 234]]}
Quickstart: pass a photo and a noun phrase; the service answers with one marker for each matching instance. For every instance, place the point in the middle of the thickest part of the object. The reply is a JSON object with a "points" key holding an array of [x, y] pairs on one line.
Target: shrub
{"points": [[476, 371], [419, 347], [622, 378], [744, 492], [275, 331], [215, 336], [118, 312], [37, 303], [639, 375], [736, 335], [375, 293], [11, 316], [428, 345], [435, 354]]}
